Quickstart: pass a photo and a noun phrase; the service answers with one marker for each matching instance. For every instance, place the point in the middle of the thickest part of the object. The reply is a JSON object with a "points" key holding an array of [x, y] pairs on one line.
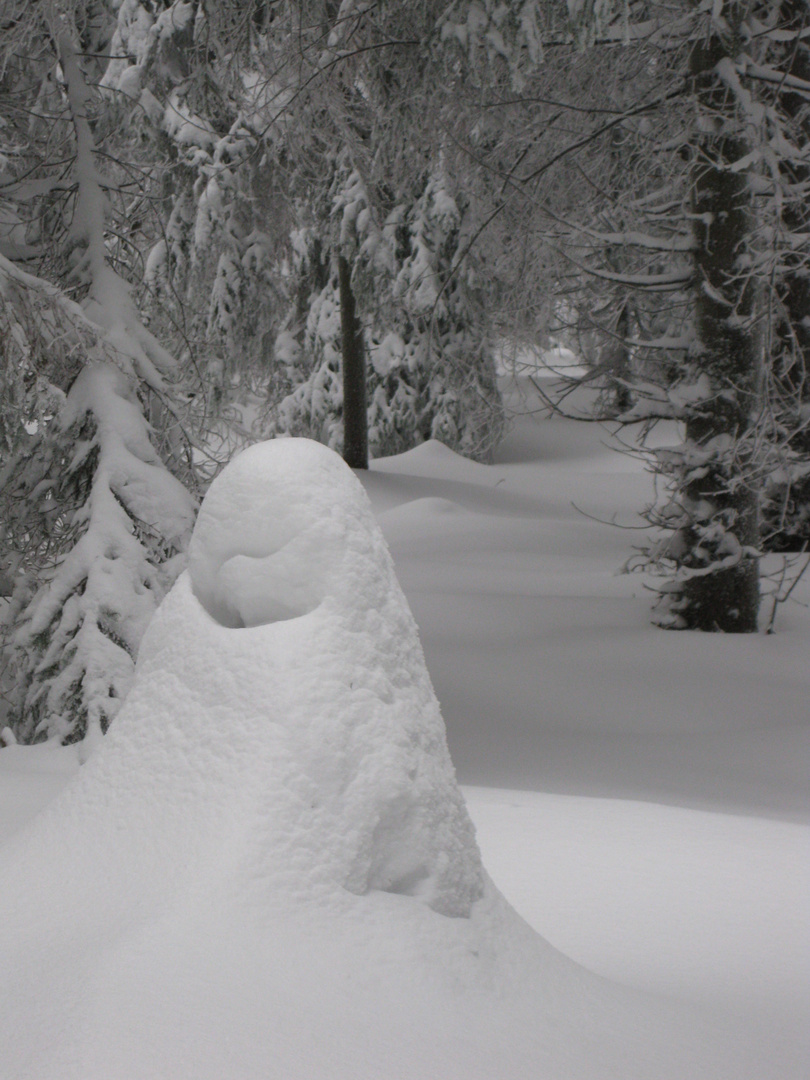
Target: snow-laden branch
{"points": [[654, 282], [635, 238], [109, 302], [777, 77]]}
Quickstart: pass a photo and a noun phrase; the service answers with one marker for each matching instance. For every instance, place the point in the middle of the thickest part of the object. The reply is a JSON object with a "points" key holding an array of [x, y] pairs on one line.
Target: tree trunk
{"points": [[794, 17], [719, 493], [619, 366], [787, 510], [355, 412]]}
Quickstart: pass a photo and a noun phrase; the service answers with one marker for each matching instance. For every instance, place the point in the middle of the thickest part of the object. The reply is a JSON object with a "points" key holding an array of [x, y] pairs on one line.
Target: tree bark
{"points": [[788, 508], [794, 17], [355, 412], [721, 495]]}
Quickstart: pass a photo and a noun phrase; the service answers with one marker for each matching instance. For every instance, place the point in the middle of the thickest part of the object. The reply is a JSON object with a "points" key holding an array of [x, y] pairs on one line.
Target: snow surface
{"points": [[185, 909], [550, 675], [707, 908]]}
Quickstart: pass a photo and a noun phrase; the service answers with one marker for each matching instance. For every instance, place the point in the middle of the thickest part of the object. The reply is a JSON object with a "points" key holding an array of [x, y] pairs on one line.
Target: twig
{"points": [[777, 599], [612, 522]]}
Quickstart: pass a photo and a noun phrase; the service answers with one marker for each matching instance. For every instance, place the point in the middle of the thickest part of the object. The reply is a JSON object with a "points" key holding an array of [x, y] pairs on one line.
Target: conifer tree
{"points": [[92, 518], [263, 188]]}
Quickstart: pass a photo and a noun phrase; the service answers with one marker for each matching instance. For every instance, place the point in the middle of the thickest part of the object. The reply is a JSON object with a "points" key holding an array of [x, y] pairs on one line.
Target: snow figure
{"points": [[266, 871], [286, 547]]}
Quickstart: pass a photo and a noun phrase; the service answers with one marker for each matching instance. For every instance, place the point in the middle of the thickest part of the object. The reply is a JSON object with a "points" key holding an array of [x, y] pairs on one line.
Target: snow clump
{"points": [[286, 545]]}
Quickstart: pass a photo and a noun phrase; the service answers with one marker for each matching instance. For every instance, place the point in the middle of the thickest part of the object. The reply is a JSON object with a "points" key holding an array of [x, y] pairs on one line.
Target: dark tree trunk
{"points": [[619, 367], [719, 493], [795, 16], [355, 411], [787, 511]]}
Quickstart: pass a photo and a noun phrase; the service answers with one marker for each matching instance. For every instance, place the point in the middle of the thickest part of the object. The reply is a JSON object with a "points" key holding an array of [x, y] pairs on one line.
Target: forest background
{"points": [[222, 222]]}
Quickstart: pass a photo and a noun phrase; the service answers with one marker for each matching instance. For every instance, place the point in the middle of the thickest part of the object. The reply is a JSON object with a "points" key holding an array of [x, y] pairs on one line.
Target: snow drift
{"points": [[267, 869], [286, 545]]}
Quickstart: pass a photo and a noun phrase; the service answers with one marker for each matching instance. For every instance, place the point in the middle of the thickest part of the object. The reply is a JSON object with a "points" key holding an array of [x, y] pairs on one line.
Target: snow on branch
{"points": [[109, 303], [92, 521]]}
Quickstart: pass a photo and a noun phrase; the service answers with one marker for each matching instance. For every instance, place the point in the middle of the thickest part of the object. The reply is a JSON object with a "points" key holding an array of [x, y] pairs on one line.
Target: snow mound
{"points": [[418, 511], [433, 459], [286, 535], [267, 869]]}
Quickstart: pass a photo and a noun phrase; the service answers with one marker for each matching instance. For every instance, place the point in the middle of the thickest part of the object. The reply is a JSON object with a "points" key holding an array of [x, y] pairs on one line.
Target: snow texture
{"points": [[267, 869], [286, 545]]}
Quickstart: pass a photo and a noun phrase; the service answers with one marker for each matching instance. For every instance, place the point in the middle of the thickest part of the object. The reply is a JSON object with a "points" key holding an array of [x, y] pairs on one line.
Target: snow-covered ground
{"points": [[640, 797]]}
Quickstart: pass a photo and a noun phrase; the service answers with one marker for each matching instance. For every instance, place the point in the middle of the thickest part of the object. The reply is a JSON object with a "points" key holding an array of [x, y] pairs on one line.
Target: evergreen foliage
{"points": [[431, 372], [277, 163], [92, 518]]}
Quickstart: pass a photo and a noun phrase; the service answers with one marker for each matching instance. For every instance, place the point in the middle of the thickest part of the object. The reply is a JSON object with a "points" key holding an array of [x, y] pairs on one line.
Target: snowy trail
{"points": [[550, 675]]}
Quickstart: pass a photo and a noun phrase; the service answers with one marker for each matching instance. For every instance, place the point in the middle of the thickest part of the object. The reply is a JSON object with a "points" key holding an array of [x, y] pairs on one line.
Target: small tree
{"points": [[430, 370], [93, 521]]}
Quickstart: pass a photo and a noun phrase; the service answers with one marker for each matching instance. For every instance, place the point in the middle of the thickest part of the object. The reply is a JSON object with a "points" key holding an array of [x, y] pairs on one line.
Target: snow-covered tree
{"points": [[786, 517], [694, 257], [92, 518], [265, 124], [186, 96], [430, 371], [726, 386]]}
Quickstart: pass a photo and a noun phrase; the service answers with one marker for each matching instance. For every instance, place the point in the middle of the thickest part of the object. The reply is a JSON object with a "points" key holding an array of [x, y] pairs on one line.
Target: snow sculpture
{"points": [[286, 551]]}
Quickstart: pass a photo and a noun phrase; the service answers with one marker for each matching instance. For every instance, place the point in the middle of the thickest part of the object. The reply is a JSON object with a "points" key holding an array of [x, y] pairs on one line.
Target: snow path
{"points": [[542, 654]]}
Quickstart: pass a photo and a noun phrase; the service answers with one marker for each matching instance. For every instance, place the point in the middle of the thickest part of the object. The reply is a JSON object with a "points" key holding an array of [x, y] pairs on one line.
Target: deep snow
{"points": [[169, 898], [550, 675]]}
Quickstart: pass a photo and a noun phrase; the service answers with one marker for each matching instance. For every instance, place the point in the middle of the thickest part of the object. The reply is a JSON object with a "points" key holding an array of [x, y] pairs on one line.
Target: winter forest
{"points": [[538, 272]]}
